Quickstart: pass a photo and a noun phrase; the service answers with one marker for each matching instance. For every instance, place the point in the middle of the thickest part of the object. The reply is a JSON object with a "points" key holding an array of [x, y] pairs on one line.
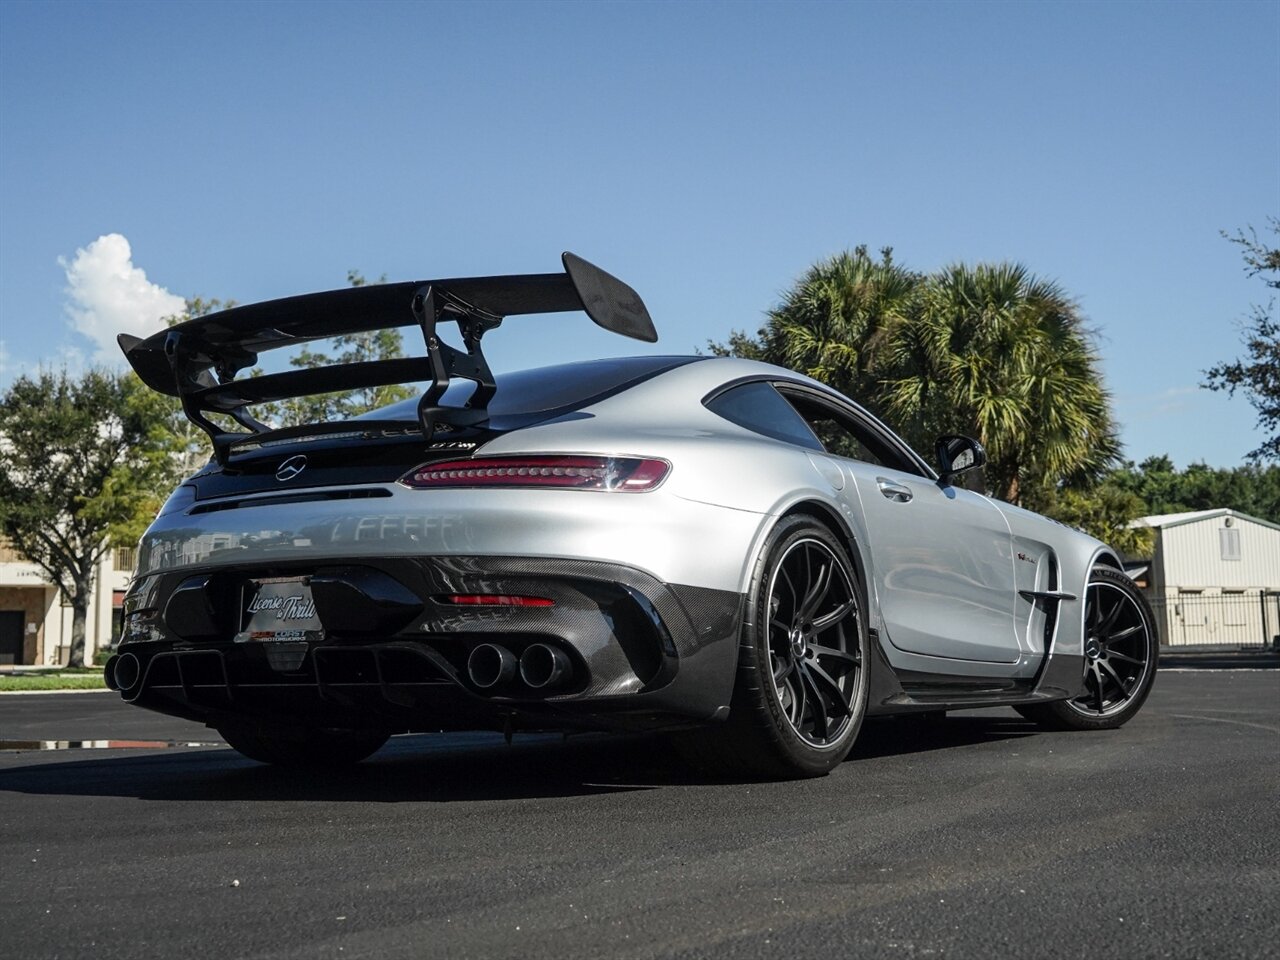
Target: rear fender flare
{"points": [[823, 513]]}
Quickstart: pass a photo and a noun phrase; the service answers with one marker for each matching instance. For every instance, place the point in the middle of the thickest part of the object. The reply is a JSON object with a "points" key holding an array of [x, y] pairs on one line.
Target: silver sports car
{"points": [[716, 547]]}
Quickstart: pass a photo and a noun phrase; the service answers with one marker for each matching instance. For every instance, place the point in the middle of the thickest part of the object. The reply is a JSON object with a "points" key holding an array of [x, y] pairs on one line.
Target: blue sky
{"points": [[706, 153]]}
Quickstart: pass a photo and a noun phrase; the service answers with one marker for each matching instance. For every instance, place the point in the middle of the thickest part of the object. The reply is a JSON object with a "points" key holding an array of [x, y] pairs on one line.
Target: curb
{"points": [[1220, 661], [57, 693]]}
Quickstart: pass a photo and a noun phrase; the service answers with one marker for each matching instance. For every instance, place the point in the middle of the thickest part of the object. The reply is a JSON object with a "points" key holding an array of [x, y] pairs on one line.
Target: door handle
{"points": [[897, 492]]}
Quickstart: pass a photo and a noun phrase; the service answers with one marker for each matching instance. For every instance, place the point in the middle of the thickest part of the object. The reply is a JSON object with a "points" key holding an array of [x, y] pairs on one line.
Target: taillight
{"points": [[614, 474], [494, 600]]}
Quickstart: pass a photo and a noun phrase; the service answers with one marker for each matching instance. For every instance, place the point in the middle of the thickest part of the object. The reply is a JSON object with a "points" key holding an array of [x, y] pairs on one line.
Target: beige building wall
{"points": [[1200, 596], [1193, 555], [47, 620]]}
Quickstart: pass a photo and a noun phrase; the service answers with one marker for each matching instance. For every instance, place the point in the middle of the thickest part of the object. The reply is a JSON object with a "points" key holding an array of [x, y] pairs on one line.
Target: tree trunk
{"points": [[1013, 492], [80, 614]]}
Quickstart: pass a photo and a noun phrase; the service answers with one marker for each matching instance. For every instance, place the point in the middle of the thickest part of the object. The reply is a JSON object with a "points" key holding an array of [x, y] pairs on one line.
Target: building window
{"points": [[125, 559], [1237, 607], [1229, 542]]}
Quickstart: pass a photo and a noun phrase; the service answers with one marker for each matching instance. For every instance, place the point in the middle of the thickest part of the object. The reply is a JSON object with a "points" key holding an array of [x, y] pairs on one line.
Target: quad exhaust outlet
{"points": [[540, 667]]}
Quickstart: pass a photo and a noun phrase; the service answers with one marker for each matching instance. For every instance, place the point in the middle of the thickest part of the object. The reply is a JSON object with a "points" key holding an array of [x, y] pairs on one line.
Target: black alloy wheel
{"points": [[1121, 647], [813, 645], [801, 687]]}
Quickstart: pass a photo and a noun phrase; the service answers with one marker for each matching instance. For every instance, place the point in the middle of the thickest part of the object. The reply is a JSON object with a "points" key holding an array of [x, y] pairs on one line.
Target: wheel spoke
{"points": [[1126, 632], [844, 657], [1124, 691], [836, 615], [821, 677], [1109, 620], [820, 725], [798, 699], [817, 592], [1091, 614]]}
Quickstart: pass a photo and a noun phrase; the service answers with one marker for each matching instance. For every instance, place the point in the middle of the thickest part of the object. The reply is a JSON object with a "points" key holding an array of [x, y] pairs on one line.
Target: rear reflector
{"points": [[613, 474], [494, 600]]}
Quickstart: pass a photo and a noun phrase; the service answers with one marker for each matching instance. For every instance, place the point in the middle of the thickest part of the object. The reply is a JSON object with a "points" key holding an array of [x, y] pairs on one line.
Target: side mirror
{"points": [[957, 454]]}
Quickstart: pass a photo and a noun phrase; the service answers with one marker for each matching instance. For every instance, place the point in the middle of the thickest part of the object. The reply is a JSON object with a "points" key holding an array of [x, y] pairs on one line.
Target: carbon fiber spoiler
{"points": [[197, 361]]}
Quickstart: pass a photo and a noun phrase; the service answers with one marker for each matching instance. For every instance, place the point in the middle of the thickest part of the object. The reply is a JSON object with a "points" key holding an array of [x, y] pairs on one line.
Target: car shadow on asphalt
{"points": [[451, 767]]}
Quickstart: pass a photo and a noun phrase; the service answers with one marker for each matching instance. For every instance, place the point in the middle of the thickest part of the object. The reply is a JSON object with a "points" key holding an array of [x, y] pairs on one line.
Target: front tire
{"points": [[1121, 650], [801, 691], [314, 747]]}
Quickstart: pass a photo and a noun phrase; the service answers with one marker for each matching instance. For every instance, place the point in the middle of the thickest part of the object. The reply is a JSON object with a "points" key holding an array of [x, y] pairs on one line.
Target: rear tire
{"points": [[800, 692], [1121, 650], [314, 747]]}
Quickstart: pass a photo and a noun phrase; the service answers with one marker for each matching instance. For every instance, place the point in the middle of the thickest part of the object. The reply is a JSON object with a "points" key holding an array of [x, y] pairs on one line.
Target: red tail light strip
{"points": [[610, 474], [495, 600]]}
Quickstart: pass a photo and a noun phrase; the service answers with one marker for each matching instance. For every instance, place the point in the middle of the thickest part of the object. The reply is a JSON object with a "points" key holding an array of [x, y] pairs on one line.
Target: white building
{"points": [[1214, 578], [35, 618]]}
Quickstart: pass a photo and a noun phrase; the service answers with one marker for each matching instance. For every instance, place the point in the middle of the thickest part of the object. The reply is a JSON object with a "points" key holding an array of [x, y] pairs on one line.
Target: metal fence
{"points": [[1237, 621]]}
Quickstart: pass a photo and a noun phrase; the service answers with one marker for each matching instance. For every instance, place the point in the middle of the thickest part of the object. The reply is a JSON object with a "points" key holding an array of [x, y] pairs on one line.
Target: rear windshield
{"points": [[546, 390]]}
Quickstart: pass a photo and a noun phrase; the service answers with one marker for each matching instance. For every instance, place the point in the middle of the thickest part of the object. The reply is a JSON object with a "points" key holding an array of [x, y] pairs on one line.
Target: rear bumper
{"points": [[643, 653]]}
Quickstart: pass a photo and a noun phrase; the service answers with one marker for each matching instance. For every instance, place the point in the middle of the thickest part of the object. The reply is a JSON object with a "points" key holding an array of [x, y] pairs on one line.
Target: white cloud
{"points": [[107, 295]]}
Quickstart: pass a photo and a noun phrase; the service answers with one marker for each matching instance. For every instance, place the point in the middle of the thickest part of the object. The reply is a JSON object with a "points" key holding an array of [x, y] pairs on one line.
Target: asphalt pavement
{"points": [[978, 836]]}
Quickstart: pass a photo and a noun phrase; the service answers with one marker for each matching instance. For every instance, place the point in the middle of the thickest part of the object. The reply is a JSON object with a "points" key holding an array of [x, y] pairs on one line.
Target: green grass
{"points": [[54, 681]]}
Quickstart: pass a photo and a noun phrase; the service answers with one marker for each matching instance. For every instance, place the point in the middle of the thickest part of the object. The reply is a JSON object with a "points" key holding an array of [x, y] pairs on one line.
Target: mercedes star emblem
{"points": [[291, 468]]}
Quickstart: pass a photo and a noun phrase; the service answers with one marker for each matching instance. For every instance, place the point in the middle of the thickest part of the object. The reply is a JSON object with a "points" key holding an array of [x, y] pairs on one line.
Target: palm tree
{"points": [[834, 323], [998, 353]]}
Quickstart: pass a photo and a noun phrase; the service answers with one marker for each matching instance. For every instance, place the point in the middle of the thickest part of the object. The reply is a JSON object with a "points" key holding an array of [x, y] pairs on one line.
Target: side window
{"points": [[760, 408], [843, 435], [837, 440]]}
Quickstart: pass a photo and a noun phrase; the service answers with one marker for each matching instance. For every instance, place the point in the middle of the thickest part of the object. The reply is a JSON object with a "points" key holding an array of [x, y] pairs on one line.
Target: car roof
{"points": [[545, 391]]}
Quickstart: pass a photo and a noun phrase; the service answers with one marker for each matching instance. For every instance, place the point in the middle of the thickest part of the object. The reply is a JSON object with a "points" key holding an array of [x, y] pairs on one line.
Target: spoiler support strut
{"points": [[448, 361]]}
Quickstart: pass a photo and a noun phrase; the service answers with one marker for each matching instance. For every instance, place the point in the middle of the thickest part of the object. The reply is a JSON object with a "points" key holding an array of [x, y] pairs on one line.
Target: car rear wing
{"points": [[197, 360]]}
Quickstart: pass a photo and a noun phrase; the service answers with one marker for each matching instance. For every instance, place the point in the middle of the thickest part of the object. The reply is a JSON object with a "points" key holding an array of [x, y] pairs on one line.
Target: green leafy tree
{"points": [[1163, 488], [1257, 375], [82, 461], [348, 348], [1105, 510]]}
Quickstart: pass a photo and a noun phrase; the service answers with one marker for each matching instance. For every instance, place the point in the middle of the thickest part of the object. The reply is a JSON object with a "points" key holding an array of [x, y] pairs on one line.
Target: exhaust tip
{"points": [[543, 667], [109, 672], [490, 665], [124, 672]]}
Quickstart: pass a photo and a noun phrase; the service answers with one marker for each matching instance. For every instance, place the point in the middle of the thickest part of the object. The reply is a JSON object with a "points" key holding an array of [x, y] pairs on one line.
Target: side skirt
{"points": [[898, 692]]}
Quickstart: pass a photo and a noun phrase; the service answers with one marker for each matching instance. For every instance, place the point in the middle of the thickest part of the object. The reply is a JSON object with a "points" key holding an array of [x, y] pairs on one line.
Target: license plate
{"points": [[279, 610]]}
